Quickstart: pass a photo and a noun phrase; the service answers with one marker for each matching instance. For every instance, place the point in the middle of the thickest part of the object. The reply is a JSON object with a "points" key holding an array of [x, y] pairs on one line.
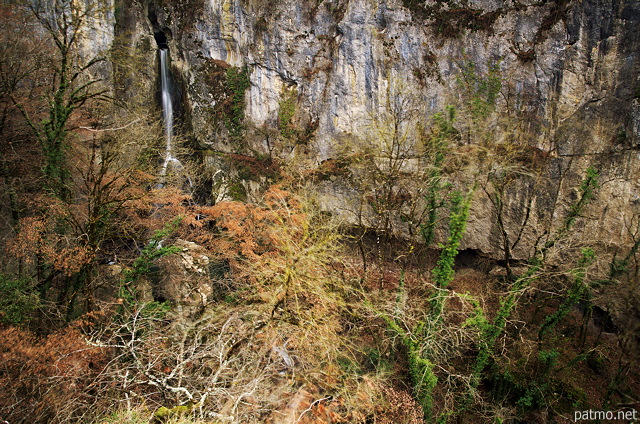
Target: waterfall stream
{"points": [[167, 115]]}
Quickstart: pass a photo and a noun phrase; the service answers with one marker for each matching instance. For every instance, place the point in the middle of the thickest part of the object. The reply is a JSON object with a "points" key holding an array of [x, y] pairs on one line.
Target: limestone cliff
{"points": [[569, 75]]}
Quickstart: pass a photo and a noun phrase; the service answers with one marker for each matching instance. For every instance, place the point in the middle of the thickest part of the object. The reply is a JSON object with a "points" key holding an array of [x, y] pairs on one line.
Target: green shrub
{"points": [[443, 134], [142, 264], [237, 84], [286, 113], [18, 299]]}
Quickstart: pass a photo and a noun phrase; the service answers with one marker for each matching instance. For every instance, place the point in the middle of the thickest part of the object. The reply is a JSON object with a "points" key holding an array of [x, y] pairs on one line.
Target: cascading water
{"points": [[167, 115]]}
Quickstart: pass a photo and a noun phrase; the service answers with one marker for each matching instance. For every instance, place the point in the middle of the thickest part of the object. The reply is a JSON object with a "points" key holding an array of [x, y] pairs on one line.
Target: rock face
{"points": [[570, 90], [184, 278]]}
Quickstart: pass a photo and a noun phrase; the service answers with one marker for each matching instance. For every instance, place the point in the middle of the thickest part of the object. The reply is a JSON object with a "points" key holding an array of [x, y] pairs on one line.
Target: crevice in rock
{"points": [[161, 39], [160, 34]]}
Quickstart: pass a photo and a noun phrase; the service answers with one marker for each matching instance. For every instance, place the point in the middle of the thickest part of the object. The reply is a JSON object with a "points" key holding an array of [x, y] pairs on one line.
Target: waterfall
{"points": [[167, 115], [167, 106]]}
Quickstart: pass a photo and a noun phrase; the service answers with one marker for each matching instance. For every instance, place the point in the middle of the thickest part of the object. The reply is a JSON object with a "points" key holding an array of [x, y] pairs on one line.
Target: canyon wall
{"points": [[347, 69]]}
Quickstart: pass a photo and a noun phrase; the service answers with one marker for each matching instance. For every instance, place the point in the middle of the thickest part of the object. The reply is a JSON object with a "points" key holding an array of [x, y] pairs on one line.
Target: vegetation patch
{"points": [[287, 112], [451, 23], [428, 70], [281, 311], [253, 168], [237, 83], [228, 85], [450, 20], [18, 299], [289, 125], [558, 12], [338, 167]]}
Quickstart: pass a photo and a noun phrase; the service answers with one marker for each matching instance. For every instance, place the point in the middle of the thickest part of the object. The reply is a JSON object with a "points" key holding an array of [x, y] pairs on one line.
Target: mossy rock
{"points": [[163, 414]]}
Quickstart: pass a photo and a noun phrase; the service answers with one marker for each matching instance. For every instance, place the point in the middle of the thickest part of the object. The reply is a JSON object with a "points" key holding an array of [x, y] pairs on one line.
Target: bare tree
{"points": [[68, 86]]}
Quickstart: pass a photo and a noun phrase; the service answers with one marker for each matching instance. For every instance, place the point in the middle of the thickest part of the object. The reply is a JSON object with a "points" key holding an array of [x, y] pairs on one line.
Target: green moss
{"points": [[163, 414], [424, 382], [227, 85], [237, 192], [237, 83], [286, 113], [126, 416]]}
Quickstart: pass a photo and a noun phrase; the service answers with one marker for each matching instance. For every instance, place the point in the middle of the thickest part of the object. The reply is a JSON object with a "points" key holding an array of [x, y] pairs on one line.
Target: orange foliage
{"points": [[36, 238], [68, 235], [250, 230], [159, 206], [47, 380]]}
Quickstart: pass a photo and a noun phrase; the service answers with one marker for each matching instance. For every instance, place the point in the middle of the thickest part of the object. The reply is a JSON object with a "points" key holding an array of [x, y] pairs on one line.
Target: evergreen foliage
{"points": [[416, 339], [491, 332], [578, 292], [154, 250], [237, 84], [421, 369], [18, 299], [481, 90], [286, 112], [271, 316], [443, 273], [444, 133], [619, 267]]}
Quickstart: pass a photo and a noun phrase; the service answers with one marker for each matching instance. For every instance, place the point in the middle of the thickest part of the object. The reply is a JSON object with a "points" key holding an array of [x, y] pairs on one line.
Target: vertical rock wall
{"points": [[570, 70]]}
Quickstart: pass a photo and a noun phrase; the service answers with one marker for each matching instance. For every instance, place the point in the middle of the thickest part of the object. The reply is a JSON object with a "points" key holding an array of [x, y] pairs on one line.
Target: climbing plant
{"points": [[443, 273], [286, 113], [443, 133], [237, 84], [578, 291], [491, 332], [418, 338], [155, 249]]}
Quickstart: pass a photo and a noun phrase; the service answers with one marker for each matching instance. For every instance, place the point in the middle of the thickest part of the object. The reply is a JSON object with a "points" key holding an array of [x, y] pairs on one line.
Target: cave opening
{"points": [[161, 40]]}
